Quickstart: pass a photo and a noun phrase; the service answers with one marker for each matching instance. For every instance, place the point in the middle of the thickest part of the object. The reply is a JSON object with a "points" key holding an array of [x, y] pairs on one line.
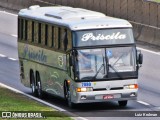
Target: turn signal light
{"points": [[84, 89], [134, 86], [68, 81]]}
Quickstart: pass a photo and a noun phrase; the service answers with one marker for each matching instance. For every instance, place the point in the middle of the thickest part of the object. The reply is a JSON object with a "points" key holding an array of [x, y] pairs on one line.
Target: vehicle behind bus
{"points": [[82, 56]]}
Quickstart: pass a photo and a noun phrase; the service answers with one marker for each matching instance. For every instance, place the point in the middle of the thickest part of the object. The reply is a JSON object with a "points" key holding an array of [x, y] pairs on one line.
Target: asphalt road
{"points": [[149, 79]]}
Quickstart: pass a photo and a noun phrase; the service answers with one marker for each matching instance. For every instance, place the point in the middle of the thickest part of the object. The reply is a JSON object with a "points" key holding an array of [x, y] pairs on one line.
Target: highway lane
{"points": [[8, 22], [149, 81], [9, 68], [149, 78], [9, 75]]}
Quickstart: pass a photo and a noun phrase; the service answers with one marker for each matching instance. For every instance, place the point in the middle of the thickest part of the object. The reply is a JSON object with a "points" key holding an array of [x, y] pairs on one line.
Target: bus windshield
{"points": [[102, 37], [105, 63]]}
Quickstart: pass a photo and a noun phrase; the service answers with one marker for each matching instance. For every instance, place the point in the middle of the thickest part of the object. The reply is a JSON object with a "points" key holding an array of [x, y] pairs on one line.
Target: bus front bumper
{"points": [[103, 96]]}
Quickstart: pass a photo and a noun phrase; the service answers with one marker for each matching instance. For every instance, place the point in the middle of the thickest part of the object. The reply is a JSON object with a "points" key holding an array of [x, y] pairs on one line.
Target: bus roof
{"points": [[73, 18]]}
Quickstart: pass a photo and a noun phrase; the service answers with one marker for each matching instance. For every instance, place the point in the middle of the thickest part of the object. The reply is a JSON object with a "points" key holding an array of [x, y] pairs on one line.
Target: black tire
{"points": [[39, 86], [65, 90], [70, 103], [67, 95], [33, 85], [123, 103]]}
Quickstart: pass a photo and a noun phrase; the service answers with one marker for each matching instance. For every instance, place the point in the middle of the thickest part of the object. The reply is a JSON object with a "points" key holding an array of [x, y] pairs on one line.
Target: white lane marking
{"points": [[41, 101], [158, 108], [82, 118], [1, 55], [157, 53], [9, 13], [12, 59], [144, 103], [13, 35]]}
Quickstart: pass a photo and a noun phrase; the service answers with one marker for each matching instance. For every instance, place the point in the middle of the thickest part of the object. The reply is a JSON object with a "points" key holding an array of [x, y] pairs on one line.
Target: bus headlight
{"points": [[88, 89], [134, 86]]}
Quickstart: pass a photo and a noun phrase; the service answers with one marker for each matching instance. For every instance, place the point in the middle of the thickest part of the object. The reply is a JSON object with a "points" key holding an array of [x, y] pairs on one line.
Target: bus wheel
{"points": [[65, 91], [70, 104], [39, 87], [122, 103], [33, 85]]}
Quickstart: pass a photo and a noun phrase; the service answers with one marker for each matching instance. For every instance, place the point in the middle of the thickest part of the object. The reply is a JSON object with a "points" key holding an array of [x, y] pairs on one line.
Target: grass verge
{"points": [[22, 105], [156, 1]]}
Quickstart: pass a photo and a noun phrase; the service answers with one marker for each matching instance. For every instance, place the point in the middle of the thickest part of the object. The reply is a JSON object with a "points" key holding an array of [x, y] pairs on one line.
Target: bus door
{"points": [[70, 65]]}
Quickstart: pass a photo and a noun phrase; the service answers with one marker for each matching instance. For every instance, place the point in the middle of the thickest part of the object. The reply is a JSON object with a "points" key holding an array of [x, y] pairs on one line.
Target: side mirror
{"points": [[140, 59]]}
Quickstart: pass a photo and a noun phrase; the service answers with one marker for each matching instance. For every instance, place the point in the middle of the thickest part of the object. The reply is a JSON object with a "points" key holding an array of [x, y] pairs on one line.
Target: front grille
{"points": [[102, 89], [99, 89], [117, 88]]}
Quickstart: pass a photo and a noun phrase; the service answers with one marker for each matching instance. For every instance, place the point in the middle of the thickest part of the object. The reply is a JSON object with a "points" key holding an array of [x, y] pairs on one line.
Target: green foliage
{"points": [[156, 0], [11, 101]]}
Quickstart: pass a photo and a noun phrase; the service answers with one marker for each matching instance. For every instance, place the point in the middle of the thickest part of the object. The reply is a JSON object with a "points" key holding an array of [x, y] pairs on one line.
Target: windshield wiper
{"points": [[118, 59], [110, 66], [98, 71], [115, 70]]}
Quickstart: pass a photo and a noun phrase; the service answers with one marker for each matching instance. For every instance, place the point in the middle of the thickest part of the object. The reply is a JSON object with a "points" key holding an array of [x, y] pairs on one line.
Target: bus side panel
{"points": [[52, 79], [26, 73], [51, 66]]}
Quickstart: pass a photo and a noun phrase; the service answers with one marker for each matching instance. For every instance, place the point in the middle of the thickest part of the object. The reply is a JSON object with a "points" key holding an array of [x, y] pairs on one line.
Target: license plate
{"points": [[108, 97]]}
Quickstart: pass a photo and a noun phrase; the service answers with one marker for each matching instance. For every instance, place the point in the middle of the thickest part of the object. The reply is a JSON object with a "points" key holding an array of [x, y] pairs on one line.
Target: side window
{"points": [[46, 35], [50, 35], [43, 34], [33, 31], [65, 40], [39, 33], [62, 38], [56, 37], [36, 32], [59, 38], [19, 29], [26, 30], [29, 31], [53, 36], [69, 37], [22, 29]]}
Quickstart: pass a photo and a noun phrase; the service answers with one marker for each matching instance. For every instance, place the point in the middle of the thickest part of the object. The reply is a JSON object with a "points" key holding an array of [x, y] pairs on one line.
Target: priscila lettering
{"points": [[34, 55], [113, 36]]}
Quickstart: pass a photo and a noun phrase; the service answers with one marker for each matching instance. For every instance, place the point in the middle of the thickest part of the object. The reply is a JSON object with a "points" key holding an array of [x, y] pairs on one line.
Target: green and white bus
{"points": [[80, 55]]}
